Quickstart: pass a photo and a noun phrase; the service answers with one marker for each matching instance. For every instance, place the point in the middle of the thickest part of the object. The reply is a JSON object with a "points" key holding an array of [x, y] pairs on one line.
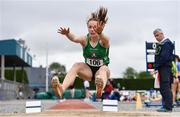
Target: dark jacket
{"points": [[164, 54]]}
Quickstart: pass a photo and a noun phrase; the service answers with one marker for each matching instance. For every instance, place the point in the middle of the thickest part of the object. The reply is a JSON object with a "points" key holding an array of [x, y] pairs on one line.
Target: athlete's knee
{"points": [[104, 72], [76, 66], [104, 69], [98, 76]]}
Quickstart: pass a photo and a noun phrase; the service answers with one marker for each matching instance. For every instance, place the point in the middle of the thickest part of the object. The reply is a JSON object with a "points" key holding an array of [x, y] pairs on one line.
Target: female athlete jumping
{"points": [[95, 51]]}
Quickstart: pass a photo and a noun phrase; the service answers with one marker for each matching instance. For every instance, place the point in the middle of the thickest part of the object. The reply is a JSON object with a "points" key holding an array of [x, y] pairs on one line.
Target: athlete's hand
{"points": [[154, 72], [63, 31], [100, 27]]}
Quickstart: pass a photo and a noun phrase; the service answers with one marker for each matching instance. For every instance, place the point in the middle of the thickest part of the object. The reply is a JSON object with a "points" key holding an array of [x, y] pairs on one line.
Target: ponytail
{"points": [[99, 15]]}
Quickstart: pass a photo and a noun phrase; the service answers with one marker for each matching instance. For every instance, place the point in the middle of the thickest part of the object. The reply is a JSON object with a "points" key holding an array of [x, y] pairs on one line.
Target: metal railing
{"points": [[10, 90]]}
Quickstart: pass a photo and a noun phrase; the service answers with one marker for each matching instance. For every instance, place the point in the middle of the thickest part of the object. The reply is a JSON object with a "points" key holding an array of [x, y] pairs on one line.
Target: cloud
{"points": [[130, 24]]}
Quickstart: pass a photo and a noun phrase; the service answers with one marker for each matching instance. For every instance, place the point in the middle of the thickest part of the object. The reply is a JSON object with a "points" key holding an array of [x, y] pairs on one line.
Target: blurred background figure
{"points": [[115, 94], [72, 90], [87, 88], [177, 59], [175, 80], [20, 94], [107, 90]]}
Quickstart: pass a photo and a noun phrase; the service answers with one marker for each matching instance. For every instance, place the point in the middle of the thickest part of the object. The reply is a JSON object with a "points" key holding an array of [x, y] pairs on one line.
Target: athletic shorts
{"points": [[93, 70]]}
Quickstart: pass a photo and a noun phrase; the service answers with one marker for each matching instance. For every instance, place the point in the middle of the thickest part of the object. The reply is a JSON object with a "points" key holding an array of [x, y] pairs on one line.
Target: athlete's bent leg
{"points": [[101, 78], [80, 69]]}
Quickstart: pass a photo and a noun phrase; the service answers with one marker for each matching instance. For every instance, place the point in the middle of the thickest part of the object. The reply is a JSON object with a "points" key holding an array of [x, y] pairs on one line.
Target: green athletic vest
{"points": [[97, 56], [174, 69]]}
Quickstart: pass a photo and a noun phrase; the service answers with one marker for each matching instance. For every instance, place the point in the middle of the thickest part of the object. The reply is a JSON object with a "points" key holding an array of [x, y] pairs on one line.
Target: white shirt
{"points": [[162, 40], [86, 83]]}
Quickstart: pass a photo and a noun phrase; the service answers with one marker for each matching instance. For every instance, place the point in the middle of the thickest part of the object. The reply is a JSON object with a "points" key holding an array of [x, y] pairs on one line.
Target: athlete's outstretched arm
{"points": [[99, 29], [71, 36]]}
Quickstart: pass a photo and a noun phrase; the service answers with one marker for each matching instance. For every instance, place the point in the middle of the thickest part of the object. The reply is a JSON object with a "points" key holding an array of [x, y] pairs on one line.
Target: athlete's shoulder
{"points": [[83, 40]]}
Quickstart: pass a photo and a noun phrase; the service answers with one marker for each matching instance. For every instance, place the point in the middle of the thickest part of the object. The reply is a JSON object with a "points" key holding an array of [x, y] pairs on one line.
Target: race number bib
{"points": [[94, 62]]}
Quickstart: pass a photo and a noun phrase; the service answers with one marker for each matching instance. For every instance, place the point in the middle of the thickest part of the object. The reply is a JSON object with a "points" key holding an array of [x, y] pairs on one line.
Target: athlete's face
{"points": [[91, 28]]}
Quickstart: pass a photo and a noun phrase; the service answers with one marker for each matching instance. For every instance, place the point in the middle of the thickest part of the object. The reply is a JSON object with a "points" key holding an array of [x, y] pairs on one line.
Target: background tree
{"points": [[144, 75], [130, 73], [58, 68]]}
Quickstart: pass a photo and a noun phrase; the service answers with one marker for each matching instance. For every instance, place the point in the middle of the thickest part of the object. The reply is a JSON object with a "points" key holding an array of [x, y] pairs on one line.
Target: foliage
{"points": [[21, 76], [136, 84], [58, 68], [144, 75], [130, 73]]}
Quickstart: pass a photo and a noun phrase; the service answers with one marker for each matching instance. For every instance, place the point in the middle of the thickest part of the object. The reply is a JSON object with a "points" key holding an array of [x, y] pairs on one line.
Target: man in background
{"points": [[163, 62]]}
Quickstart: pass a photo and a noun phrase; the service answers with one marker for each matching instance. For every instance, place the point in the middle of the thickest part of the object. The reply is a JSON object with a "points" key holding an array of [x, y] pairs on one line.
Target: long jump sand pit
{"points": [[84, 113], [79, 108]]}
